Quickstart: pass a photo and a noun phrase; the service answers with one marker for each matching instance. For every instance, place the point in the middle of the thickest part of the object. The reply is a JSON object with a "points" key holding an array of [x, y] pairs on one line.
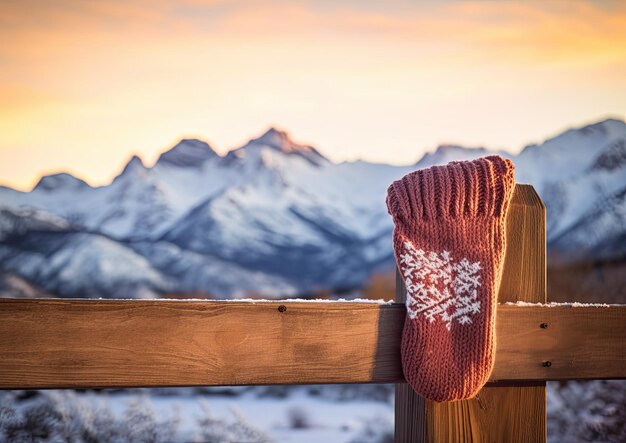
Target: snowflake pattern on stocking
{"points": [[438, 287]]}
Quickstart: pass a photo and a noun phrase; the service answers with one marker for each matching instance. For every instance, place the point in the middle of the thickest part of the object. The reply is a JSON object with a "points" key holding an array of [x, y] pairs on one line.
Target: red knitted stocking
{"points": [[449, 245]]}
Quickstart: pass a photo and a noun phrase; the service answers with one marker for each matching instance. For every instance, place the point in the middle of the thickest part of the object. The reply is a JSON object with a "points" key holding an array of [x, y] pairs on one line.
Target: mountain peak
{"points": [[606, 126], [448, 148], [276, 138], [448, 152], [280, 141], [188, 153], [592, 146], [54, 182], [135, 164]]}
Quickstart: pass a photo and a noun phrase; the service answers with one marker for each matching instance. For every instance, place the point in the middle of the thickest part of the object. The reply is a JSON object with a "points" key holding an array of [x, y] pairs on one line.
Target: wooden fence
{"points": [[51, 343]]}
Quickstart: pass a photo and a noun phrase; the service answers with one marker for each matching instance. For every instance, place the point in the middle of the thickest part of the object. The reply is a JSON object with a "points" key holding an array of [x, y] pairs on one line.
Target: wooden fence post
{"points": [[500, 413]]}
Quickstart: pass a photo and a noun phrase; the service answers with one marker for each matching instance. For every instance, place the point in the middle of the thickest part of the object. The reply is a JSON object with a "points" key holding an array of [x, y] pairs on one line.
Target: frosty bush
{"points": [[219, 430], [63, 416], [593, 411]]}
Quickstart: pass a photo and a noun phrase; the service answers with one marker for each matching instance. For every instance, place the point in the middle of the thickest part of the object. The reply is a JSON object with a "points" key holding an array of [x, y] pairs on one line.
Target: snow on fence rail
{"points": [[131, 343]]}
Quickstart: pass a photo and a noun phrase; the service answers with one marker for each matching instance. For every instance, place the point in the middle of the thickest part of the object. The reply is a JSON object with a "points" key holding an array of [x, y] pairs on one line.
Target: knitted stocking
{"points": [[449, 245]]}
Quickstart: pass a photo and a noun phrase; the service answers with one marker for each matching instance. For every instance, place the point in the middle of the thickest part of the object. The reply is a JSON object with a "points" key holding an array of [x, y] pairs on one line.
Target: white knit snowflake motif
{"points": [[439, 287]]}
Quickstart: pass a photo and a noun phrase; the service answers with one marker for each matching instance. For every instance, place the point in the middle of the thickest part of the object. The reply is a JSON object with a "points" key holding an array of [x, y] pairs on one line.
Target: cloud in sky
{"points": [[83, 84]]}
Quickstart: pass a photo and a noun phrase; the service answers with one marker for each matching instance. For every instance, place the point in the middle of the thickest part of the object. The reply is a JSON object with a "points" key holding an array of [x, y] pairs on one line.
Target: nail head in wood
{"points": [[282, 308], [543, 326], [546, 364]]}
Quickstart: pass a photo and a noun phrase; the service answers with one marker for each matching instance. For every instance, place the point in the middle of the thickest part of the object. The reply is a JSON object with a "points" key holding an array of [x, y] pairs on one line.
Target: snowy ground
{"points": [[577, 412], [296, 414], [298, 418]]}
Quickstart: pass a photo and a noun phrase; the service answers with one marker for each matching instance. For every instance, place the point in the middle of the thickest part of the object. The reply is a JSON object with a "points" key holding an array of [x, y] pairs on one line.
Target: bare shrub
{"points": [[298, 418]]}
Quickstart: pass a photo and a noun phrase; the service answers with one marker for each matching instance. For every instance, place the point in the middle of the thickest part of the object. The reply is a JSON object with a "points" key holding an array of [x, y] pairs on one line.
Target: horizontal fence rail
{"points": [[126, 343]]}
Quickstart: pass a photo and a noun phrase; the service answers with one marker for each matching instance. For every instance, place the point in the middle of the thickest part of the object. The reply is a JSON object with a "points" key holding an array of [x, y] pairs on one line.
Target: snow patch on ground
{"points": [[577, 412]]}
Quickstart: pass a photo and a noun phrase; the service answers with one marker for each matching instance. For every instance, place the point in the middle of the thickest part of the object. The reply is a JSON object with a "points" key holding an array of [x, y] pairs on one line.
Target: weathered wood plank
{"points": [[105, 343], [560, 343], [513, 413], [184, 343]]}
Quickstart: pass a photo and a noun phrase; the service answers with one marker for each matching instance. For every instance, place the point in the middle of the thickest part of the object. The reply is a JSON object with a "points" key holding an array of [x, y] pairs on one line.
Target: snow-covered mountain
{"points": [[275, 217], [573, 173]]}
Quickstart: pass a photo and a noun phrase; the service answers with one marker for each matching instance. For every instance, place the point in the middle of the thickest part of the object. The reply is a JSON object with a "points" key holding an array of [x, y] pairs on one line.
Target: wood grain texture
{"points": [[82, 343], [579, 342], [512, 413], [106, 343]]}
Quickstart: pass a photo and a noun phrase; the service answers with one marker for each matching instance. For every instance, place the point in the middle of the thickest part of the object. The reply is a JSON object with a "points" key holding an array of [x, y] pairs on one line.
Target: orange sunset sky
{"points": [[85, 84]]}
